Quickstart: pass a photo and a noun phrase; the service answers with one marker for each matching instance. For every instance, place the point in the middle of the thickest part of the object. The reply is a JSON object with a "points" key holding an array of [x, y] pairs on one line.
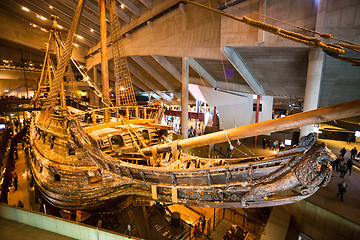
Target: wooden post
{"points": [[214, 120], [104, 60]]}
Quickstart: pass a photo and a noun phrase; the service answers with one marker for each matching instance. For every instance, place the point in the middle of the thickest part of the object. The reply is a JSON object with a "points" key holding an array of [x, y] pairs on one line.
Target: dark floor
{"points": [[10, 230]]}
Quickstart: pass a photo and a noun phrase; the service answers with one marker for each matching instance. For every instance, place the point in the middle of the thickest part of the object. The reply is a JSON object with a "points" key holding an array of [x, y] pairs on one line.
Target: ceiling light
{"points": [[81, 37], [5, 61], [25, 9], [60, 27], [75, 44], [122, 6], [43, 18], [51, 7], [34, 25], [122, 88], [91, 30], [43, 29]]}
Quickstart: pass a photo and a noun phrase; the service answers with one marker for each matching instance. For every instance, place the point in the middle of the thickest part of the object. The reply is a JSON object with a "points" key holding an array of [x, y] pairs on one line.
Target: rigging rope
{"points": [[309, 41]]}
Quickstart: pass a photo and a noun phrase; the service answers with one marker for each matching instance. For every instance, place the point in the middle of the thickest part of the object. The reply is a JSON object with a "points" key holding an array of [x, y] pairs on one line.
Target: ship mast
{"points": [[104, 60]]}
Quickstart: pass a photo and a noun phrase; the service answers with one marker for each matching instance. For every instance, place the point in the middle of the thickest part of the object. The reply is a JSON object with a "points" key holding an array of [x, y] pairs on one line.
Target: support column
{"points": [[315, 66], [214, 120], [104, 60], [257, 116], [184, 98], [313, 82], [96, 81]]}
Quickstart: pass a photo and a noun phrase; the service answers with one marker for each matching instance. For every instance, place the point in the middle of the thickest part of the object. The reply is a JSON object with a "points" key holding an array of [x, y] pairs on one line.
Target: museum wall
{"points": [[321, 224]]}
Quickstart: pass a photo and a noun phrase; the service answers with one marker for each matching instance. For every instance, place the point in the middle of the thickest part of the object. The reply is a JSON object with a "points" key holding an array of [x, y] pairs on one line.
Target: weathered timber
{"points": [[324, 114]]}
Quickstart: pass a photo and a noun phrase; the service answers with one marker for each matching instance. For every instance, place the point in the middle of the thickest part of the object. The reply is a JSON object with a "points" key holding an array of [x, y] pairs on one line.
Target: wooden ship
{"points": [[78, 162]]}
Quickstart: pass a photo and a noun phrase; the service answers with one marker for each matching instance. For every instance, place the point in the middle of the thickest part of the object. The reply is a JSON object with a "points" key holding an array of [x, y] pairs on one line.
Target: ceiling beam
{"points": [[224, 85], [70, 13], [239, 64], [147, 3], [131, 7], [143, 87], [64, 20], [122, 15], [31, 18], [148, 83], [168, 66], [141, 62], [200, 70]]}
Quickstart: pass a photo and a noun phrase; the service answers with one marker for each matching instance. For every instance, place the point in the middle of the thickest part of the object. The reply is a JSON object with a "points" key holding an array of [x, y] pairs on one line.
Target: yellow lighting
{"points": [[25, 9], [76, 45], [91, 30], [43, 29], [60, 27], [51, 7], [122, 88], [122, 6], [78, 36]]}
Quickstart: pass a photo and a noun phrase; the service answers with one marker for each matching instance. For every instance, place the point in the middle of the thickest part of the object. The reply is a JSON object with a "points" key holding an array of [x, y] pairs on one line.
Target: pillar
{"points": [[257, 116], [184, 98], [313, 82], [315, 66], [214, 120], [104, 60], [94, 99]]}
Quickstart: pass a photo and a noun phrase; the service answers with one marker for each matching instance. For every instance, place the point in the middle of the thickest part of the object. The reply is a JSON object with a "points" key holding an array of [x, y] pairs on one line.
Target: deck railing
{"points": [[128, 112]]}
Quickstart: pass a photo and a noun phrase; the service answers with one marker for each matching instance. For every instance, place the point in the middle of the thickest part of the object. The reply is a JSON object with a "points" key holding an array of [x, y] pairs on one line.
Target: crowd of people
{"points": [[344, 167], [275, 146]]}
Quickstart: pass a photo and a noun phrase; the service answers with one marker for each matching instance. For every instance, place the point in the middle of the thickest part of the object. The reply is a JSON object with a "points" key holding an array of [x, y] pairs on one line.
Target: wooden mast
{"points": [[104, 60], [324, 114]]}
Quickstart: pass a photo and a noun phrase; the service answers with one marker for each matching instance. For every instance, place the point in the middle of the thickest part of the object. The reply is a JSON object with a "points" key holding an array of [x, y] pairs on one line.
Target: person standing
{"points": [[343, 151], [15, 181], [342, 189], [20, 204], [349, 165], [196, 230], [353, 153], [203, 223], [264, 143], [343, 170], [336, 164]]}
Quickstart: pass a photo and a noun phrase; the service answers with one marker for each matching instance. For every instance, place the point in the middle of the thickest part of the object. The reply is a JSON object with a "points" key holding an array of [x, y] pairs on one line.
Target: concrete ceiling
{"points": [[279, 67]]}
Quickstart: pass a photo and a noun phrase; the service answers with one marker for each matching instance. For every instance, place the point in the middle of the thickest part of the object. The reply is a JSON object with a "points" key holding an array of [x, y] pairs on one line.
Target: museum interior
{"points": [[168, 119]]}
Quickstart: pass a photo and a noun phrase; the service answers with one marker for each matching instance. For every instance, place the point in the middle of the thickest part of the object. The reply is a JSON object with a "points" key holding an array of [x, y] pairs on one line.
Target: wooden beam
{"points": [[198, 68], [155, 75], [114, 124], [159, 126], [104, 61], [319, 115], [239, 64]]}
